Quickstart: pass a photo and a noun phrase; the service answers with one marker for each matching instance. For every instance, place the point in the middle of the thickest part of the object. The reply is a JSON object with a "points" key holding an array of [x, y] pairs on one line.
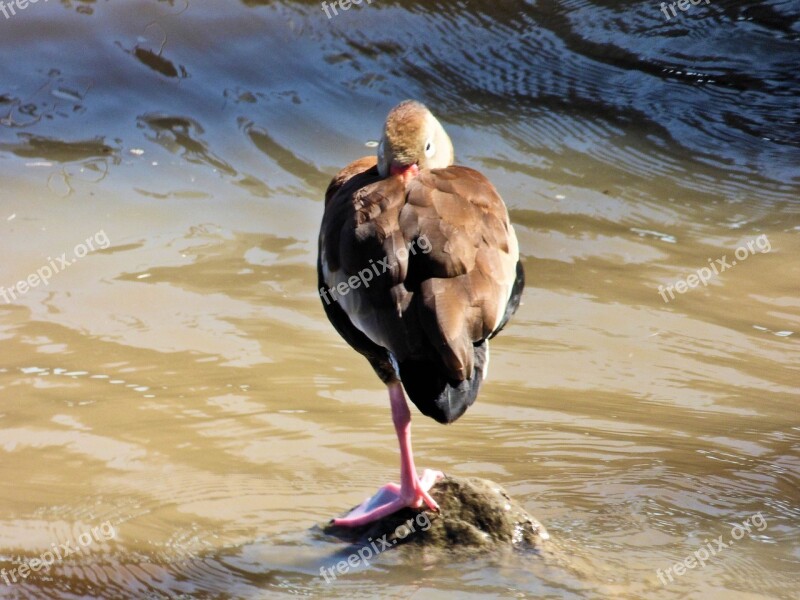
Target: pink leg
{"points": [[413, 490]]}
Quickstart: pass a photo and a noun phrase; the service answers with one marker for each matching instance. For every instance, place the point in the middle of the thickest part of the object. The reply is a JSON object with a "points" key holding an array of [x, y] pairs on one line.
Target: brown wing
{"points": [[425, 272], [467, 277]]}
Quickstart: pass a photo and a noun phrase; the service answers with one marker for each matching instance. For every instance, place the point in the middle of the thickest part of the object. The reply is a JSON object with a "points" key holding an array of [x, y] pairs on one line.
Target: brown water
{"points": [[181, 385]]}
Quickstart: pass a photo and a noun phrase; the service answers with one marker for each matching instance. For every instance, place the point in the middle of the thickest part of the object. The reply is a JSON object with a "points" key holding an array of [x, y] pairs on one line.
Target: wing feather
{"points": [[441, 257]]}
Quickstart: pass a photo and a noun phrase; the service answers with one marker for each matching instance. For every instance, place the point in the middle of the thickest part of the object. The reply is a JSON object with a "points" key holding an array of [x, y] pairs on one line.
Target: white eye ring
{"points": [[430, 149]]}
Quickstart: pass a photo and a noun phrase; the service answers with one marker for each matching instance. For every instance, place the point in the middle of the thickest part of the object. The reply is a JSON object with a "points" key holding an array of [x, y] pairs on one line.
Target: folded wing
{"points": [[422, 277]]}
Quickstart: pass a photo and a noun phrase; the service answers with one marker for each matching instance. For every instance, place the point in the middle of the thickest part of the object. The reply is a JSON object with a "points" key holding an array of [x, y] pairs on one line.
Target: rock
{"points": [[474, 514]]}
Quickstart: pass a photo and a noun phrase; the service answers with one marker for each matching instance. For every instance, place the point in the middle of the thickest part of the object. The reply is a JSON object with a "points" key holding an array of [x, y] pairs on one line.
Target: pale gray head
{"points": [[412, 136]]}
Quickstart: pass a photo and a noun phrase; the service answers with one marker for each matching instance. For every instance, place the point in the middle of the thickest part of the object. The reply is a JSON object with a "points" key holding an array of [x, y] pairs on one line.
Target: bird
{"points": [[418, 268]]}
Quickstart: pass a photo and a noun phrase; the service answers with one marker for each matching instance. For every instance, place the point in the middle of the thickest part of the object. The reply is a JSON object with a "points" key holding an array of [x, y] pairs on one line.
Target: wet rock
{"points": [[474, 514]]}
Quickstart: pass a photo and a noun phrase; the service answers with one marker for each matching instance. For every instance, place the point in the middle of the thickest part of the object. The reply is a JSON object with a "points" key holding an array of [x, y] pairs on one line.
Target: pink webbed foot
{"points": [[391, 498]]}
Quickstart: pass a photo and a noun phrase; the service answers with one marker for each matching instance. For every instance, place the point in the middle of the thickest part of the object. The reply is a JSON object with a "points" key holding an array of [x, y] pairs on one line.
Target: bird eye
{"points": [[429, 149]]}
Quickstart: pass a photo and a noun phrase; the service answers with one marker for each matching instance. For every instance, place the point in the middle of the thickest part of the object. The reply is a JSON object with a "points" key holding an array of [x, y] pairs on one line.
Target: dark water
{"points": [[181, 383]]}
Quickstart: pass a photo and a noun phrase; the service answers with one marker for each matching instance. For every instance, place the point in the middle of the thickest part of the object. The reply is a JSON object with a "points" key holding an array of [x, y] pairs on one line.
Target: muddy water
{"points": [[175, 405]]}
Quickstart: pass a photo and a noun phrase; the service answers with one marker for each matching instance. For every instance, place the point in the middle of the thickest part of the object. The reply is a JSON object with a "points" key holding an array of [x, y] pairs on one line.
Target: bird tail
{"points": [[434, 394]]}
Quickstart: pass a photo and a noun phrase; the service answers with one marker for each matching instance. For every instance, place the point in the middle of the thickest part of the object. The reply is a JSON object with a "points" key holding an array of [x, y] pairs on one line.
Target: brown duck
{"points": [[418, 268]]}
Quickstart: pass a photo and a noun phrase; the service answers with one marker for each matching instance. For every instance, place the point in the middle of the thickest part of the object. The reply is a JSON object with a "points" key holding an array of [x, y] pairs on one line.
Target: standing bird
{"points": [[418, 268]]}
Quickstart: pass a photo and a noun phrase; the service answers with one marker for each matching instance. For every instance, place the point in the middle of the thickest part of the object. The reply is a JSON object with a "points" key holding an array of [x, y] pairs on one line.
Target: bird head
{"points": [[412, 140]]}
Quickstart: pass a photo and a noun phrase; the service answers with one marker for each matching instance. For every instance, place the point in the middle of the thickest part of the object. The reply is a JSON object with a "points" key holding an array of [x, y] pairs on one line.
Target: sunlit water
{"points": [[176, 388]]}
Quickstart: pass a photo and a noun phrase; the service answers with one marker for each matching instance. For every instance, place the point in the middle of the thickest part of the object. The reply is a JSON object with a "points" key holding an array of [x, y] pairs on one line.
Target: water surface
{"points": [[181, 383]]}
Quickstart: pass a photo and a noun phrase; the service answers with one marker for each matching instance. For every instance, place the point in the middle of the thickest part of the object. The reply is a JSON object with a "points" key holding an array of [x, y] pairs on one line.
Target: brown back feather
{"points": [[433, 305]]}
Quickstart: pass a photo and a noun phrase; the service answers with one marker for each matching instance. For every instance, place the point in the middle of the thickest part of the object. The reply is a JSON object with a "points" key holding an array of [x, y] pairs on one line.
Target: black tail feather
{"points": [[437, 397]]}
